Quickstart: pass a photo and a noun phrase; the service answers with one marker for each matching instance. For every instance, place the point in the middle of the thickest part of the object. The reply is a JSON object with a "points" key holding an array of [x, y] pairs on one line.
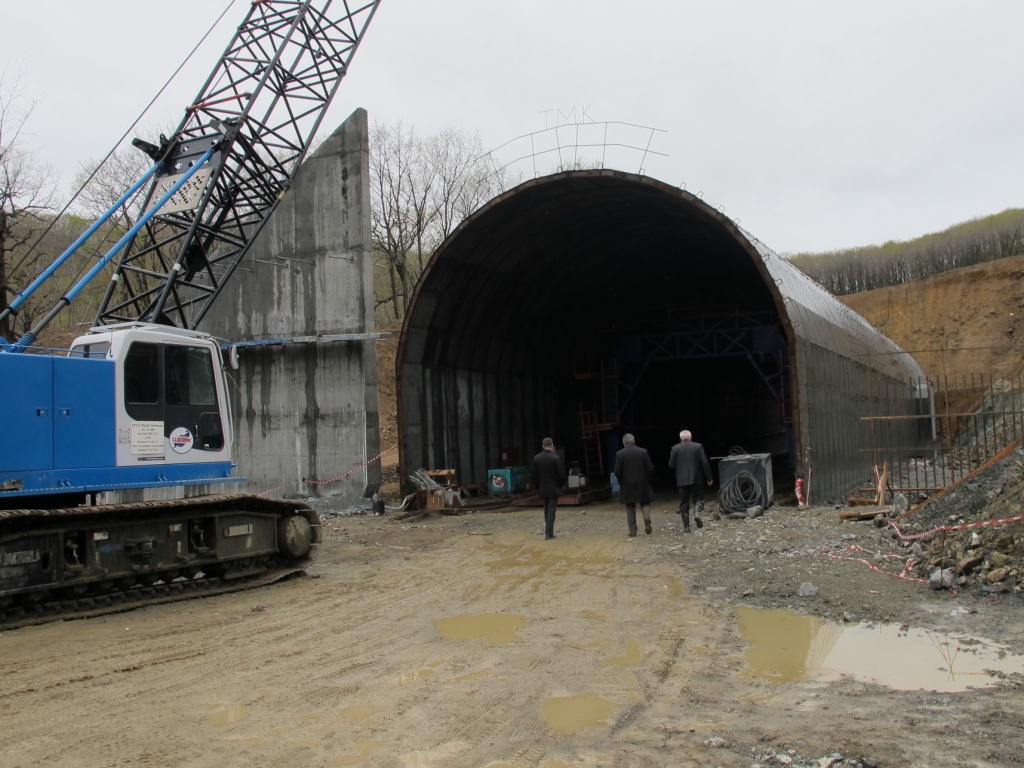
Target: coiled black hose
{"points": [[740, 494]]}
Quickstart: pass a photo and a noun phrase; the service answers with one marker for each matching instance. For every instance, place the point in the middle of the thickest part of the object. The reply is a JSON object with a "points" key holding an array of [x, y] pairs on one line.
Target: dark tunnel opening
{"points": [[583, 306]]}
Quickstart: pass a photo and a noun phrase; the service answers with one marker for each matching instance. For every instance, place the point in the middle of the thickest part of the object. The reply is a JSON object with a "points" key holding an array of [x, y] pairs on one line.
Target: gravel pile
{"points": [[791, 757], [340, 506], [990, 559]]}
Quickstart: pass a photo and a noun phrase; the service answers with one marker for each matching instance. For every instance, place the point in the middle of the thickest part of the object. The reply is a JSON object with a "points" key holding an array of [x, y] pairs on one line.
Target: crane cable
{"points": [[131, 127]]}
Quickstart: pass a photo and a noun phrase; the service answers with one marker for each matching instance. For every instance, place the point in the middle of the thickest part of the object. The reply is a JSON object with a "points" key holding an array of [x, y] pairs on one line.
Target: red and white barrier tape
{"points": [[342, 476], [904, 574], [961, 527]]}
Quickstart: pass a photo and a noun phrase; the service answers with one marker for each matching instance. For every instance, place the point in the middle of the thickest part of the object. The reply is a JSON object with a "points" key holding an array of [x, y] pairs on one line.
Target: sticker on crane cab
{"points": [[181, 440], [147, 438]]}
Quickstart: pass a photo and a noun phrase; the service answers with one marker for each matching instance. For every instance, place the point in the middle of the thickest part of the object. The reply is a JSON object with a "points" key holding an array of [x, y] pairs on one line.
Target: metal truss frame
{"points": [[258, 111], [752, 335]]}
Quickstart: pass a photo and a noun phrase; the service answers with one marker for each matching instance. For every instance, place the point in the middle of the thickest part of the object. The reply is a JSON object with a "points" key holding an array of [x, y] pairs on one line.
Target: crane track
{"points": [[122, 601], [249, 550]]}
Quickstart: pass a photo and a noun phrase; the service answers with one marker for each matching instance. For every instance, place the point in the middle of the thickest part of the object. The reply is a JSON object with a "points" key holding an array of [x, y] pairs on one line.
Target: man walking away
{"points": [[692, 468], [548, 478], [633, 468]]}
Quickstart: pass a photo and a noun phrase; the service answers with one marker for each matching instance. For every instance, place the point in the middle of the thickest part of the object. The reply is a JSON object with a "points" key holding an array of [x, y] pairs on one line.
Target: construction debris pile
{"points": [[987, 557]]}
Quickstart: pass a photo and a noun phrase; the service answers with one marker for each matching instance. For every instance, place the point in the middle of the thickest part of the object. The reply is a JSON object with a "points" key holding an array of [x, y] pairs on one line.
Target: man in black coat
{"points": [[633, 469], [548, 478], [692, 469]]}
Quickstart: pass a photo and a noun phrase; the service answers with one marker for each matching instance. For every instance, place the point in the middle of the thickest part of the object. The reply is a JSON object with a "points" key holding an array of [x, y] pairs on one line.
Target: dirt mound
{"points": [[387, 351], [990, 558], [975, 313], [387, 402]]}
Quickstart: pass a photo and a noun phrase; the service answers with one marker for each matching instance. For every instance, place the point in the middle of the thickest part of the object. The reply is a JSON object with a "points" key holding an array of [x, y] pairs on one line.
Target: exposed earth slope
{"points": [[976, 313]]}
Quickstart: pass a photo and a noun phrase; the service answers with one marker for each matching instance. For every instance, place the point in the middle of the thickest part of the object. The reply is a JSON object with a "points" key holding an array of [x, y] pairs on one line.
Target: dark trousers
{"points": [[686, 493], [645, 510], [550, 505]]}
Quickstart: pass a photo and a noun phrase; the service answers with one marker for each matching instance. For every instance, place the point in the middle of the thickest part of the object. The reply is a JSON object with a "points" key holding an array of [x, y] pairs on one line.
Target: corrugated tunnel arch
{"points": [[589, 303]]}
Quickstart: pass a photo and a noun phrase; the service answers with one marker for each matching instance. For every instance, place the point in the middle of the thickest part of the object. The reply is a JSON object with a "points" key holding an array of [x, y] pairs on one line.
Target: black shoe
{"points": [[698, 521], [647, 526], [546, 537], [686, 529], [632, 534]]}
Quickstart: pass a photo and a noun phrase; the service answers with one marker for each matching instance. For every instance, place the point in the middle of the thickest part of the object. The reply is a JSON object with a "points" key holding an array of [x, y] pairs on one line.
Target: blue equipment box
{"points": [[507, 481]]}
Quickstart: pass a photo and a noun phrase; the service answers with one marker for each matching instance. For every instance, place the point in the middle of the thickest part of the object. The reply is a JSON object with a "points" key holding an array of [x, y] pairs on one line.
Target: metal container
{"points": [[507, 481], [757, 464]]}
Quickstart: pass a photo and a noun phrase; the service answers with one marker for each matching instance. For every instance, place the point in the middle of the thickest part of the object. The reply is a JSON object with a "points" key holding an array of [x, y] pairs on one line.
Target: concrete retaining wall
{"points": [[308, 410]]}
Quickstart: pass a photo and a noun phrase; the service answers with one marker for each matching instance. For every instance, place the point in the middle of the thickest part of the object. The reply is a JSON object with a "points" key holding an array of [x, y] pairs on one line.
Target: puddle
{"points": [[631, 659], [359, 712], [363, 751], [593, 615], [228, 715], [571, 714], [493, 628], [471, 675], [674, 587], [426, 674], [786, 646], [545, 558]]}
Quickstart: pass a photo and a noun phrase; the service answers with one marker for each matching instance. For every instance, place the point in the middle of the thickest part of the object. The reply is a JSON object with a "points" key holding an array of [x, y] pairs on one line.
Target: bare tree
{"points": [[28, 191], [422, 190], [392, 220], [125, 166]]}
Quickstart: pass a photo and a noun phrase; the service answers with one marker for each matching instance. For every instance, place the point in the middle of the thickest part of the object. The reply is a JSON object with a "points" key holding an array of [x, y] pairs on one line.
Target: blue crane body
{"points": [[140, 400]]}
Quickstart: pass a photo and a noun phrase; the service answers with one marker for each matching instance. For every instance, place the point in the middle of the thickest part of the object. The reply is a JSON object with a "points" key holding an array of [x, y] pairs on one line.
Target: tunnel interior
{"points": [[585, 306]]}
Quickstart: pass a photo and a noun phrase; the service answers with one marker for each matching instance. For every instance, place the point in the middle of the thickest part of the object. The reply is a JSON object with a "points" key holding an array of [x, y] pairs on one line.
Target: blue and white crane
{"points": [[139, 401]]}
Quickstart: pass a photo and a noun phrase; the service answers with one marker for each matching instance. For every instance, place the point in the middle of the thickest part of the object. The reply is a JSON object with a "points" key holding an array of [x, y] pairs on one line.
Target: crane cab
{"points": [[128, 406]]}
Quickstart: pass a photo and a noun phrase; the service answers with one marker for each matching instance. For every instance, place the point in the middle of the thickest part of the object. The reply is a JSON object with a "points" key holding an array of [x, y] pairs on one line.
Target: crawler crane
{"points": [[139, 401]]}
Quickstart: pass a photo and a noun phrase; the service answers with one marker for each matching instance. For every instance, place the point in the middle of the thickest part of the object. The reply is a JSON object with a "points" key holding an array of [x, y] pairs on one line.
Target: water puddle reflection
{"points": [[493, 628], [571, 714], [228, 715], [786, 646], [545, 558]]}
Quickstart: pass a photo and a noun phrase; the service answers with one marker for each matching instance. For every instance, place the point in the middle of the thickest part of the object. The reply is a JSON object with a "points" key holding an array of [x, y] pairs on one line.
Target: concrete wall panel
{"points": [[308, 410]]}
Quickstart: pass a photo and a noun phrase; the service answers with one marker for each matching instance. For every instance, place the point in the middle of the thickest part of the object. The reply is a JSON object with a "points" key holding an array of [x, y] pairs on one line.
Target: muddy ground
{"points": [[608, 651]]}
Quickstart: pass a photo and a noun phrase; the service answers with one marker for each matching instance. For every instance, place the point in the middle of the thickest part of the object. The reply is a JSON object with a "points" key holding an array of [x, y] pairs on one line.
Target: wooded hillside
{"points": [[879, 266]]}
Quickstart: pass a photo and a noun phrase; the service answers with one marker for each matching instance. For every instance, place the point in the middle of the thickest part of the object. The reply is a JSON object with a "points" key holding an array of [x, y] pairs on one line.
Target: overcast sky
{"points": [[818, 124]]}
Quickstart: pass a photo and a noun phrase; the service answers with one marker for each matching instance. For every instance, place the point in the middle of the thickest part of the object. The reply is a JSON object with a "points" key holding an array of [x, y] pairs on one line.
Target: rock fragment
{"points": [[941, 578]]}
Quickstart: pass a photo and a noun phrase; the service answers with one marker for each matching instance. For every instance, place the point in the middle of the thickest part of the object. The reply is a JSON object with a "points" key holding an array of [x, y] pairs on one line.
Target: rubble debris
{"points": [[996, 460], [791, 757], [900, 504], [941, 578], [989, 558], [807, 590]]}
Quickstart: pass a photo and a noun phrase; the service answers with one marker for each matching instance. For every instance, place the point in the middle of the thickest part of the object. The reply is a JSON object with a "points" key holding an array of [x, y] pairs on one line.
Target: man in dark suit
{"points": [[692, 469], [633, 469], [548, 478]]}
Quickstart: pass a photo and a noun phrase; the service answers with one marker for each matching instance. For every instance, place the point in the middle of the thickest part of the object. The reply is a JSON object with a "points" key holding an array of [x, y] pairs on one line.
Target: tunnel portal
{"points": [[587, 304]]}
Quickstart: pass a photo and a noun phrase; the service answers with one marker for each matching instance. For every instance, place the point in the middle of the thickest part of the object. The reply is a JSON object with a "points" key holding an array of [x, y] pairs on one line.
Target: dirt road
{"points": [[473, 642]]}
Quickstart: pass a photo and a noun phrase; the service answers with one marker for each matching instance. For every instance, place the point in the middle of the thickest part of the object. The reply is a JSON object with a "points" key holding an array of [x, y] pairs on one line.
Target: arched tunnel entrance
{"points": [[584, 305]]}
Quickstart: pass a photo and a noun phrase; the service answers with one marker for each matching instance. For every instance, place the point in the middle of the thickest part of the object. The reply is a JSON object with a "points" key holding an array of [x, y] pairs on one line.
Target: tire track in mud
{"points": [[362, 634]]}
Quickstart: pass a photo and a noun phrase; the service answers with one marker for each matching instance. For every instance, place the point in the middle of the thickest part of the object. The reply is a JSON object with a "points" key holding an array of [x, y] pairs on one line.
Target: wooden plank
{"points": [[994, 460]]}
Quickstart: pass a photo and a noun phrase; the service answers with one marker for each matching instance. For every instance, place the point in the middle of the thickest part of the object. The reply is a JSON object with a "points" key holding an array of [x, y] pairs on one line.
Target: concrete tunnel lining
{"points": [[564, 264]]}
